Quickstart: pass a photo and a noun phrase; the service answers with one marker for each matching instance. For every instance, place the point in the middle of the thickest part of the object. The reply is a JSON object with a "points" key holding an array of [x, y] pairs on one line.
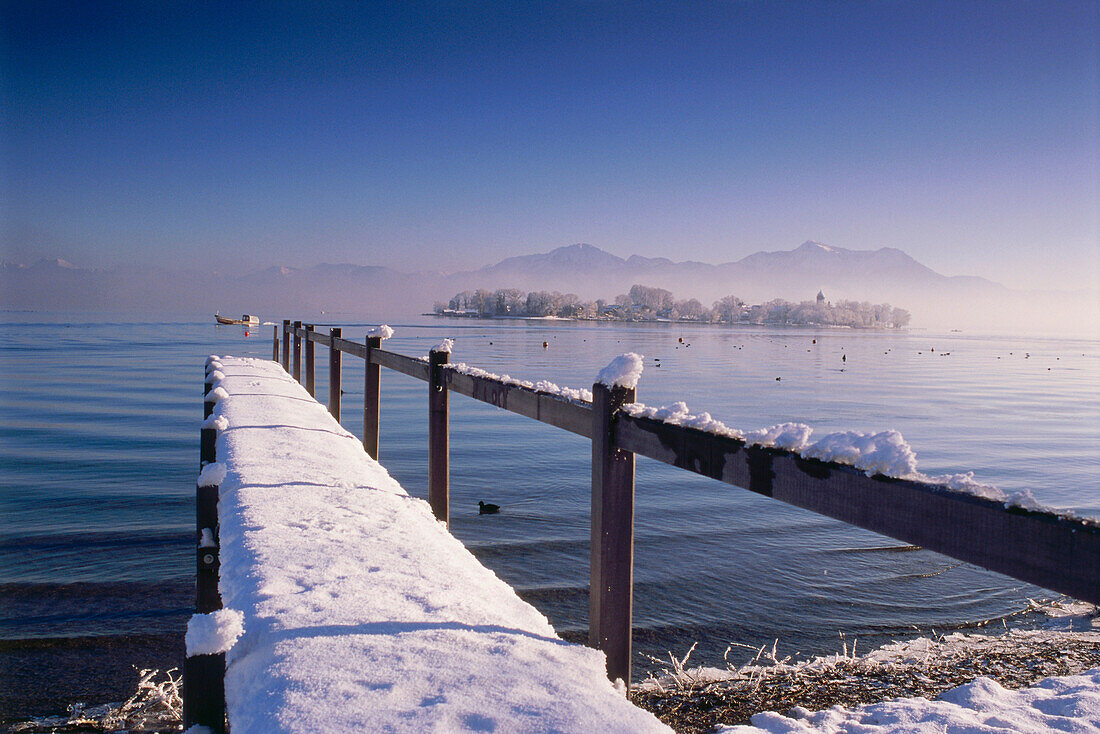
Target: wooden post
{"points": [[204, 675], [439, 472], [286, 344], [204, 692], [612, 544], [297, 351], [371, 399], [311, 374], [207, 597], [275, 344], [334, 373], [207, 405], [207, 436]]}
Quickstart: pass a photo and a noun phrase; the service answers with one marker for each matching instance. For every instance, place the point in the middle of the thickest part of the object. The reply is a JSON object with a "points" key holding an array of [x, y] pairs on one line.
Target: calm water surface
{"points": [[99, 453]]}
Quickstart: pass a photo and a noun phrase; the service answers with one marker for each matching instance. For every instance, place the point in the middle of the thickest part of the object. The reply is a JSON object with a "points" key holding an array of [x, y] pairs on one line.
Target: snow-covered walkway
{"points": [[361, 612]]}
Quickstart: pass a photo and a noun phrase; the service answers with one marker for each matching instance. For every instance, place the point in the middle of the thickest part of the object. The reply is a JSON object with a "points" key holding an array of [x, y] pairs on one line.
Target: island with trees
{"points": [[645, 303]]}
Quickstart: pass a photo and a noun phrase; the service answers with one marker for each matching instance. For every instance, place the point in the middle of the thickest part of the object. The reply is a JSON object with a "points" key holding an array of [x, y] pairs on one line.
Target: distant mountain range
{"points": [[883, 275], [886, 274]]}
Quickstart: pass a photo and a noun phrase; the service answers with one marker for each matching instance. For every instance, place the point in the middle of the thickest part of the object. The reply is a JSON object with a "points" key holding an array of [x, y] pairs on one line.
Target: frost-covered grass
{"points": [[865, 685], [156, 706]]}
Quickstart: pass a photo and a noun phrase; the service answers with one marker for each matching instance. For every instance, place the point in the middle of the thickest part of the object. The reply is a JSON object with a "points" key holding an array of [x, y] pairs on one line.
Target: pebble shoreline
{"points": [[1014, 661]]}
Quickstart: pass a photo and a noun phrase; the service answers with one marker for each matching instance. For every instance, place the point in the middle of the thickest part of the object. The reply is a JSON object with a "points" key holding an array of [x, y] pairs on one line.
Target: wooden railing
{"points": [[204, 675], [1043, 548], [1040, 547]]}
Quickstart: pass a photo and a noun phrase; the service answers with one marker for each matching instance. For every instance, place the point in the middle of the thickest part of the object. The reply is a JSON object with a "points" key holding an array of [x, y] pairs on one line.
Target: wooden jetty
{"points": [[1037, 546]]}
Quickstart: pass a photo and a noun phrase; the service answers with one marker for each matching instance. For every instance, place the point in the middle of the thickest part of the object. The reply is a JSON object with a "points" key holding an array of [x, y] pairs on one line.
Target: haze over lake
{"points": [[582, 272]]}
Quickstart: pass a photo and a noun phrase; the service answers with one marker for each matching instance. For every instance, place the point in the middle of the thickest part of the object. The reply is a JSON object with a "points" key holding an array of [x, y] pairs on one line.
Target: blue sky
{"points": [[448, 136]]}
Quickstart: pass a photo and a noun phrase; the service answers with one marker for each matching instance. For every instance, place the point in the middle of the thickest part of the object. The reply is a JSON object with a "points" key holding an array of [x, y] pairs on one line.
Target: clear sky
{"points": [[451, 135]]}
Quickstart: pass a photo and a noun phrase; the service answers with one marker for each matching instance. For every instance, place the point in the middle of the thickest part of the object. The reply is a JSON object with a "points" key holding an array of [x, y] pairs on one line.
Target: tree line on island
{"points": [[644, 303]]}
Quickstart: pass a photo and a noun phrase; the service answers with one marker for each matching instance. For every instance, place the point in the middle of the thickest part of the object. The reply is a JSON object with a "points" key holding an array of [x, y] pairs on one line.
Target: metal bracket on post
{"points": [[371, 399], [334, 373], [439, 472], [611, 566]]}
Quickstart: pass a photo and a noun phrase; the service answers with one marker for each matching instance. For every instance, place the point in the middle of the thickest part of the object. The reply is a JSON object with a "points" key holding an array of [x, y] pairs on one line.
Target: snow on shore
{"points": [[1068, 703], [360, 612], [912, 686]]}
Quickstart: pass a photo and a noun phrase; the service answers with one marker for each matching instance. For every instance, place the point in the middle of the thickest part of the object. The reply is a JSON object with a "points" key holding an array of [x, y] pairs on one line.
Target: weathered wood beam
{"points": [[544, 407], [1057, 553], [400, 363]]}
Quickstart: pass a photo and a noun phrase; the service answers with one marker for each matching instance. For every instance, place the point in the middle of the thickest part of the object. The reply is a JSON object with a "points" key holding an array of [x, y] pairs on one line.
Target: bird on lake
{"points": [[486, 508]]}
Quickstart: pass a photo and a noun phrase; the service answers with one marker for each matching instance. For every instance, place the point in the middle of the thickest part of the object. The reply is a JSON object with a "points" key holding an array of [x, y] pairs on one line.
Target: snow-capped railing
{"points": [[1034, 545], [204, 671]]}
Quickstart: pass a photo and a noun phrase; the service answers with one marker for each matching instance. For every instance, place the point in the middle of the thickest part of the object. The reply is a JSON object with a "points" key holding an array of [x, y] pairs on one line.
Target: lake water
{"points": [[99, 454]]}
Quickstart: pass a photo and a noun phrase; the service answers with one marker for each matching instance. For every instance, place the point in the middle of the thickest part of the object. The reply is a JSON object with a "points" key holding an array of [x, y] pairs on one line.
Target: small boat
{"points": [[245, 319]]}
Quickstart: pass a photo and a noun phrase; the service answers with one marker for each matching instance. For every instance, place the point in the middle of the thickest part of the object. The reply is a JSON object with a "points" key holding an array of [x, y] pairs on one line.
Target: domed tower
{"points": [[820, 298]]}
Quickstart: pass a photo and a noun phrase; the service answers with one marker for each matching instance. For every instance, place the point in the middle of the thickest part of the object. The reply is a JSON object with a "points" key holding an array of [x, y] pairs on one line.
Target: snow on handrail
{"points": [[1038, 545]]}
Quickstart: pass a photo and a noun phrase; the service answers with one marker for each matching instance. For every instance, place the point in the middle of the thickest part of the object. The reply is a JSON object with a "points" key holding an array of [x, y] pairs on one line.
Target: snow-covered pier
{"points": [[349, 607], [358, 606]]}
